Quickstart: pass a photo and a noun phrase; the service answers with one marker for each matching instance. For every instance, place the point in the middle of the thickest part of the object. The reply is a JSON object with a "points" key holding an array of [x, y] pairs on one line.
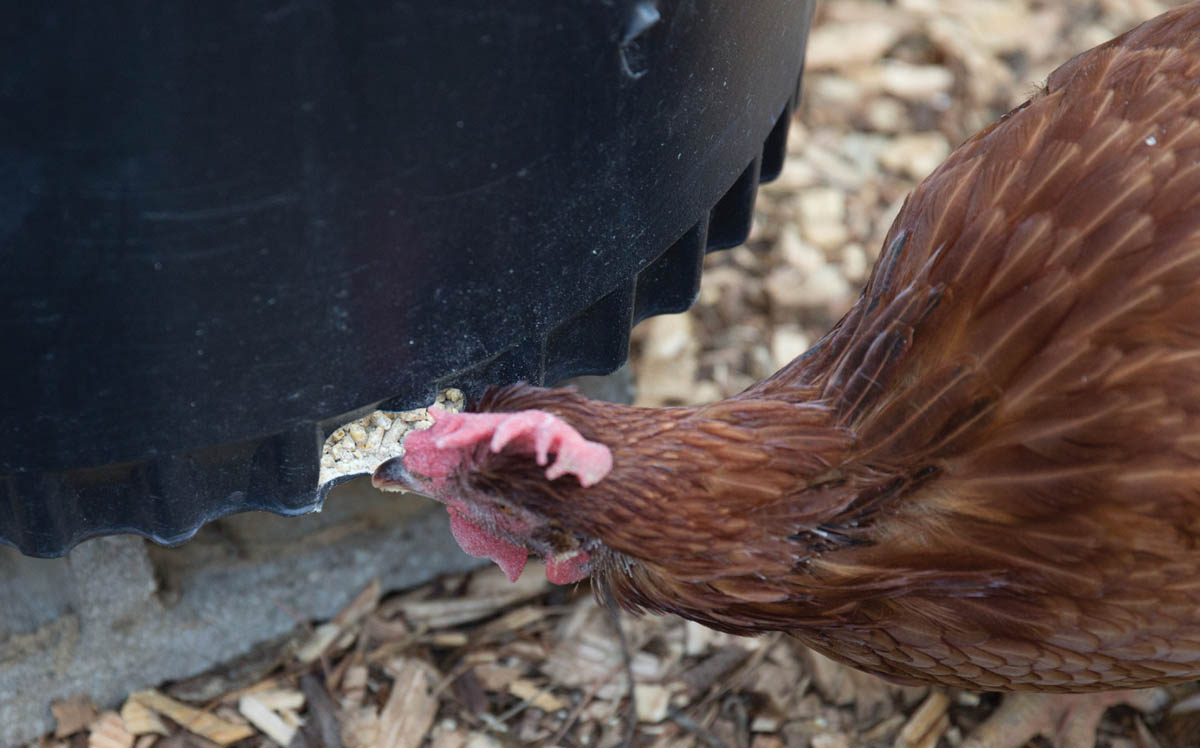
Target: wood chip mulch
{"points": [[473, 661]]}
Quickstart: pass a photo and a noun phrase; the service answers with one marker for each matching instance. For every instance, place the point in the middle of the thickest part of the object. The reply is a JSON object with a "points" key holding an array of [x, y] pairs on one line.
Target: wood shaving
{"points": [[411, 708], [652, 702], [72, 715], [141, 721], [195, 721], [361, 728], [109, 731], [322, 638], [263, 717], [354, 687], [538, 697], [927, 725], [146, 741], [490, 593]]}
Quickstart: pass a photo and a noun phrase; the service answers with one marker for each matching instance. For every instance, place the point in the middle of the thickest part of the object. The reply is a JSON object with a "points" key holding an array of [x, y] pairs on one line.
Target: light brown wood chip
{"points": [[139, 720], [410, 708], [267, 721], [537, 696], [109, 731], [72, 715], [926, 725], [193, 720]]}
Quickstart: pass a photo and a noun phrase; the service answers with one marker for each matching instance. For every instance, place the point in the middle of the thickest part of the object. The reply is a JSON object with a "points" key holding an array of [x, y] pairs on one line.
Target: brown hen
{"points": [[987, 475]]}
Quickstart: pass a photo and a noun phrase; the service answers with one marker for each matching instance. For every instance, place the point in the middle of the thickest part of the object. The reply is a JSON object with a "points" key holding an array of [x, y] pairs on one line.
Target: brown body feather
{"points": [[988, 474]]}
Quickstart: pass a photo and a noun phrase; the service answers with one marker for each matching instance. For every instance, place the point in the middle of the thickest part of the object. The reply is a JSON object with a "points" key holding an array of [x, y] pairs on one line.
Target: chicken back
{"points": [[986, 475]]}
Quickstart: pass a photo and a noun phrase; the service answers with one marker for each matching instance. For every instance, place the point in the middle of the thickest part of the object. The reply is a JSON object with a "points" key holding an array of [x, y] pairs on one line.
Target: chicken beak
{"points": [[391, 475]]}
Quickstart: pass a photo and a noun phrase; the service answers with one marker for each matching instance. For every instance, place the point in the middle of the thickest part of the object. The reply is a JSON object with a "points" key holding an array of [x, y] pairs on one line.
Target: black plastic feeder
{"points": [[227, 227]]}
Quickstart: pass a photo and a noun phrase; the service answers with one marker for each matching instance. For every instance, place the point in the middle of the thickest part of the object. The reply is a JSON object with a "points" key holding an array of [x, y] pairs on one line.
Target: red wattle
{"points": [[478, 542]]}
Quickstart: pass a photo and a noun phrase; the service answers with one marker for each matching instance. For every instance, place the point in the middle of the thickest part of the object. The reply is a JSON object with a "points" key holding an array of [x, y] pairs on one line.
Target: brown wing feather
{"points": [[1055, 389]]}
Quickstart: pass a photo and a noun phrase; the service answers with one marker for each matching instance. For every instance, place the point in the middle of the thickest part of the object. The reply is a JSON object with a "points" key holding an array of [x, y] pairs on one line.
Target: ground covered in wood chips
{"points": [[476, 661]]}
